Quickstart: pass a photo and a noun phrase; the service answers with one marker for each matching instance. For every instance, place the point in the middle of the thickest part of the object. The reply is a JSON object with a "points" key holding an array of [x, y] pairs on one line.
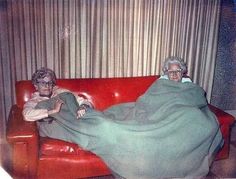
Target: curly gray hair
{"points": [[43, 72], [174, 60]]}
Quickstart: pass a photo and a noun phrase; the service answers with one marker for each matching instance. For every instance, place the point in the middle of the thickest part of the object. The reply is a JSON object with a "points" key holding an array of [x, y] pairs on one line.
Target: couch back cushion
{"points": [[102, 92]]}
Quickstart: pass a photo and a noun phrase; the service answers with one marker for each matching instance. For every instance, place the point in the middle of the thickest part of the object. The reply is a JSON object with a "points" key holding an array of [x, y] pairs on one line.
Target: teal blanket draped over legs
{"points": [[168, 132]]}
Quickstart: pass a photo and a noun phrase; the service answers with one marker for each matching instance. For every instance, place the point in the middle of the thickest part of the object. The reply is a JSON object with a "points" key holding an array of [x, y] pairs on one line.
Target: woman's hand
{"points": [[57, 107], [82, 110]]}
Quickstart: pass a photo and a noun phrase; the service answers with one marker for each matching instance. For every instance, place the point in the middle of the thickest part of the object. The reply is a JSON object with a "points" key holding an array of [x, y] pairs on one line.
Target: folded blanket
{"points": [[168, 132]]}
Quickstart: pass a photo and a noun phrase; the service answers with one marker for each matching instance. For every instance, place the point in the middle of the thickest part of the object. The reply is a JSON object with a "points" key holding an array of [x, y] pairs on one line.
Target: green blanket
{"points": [[168, 132]]}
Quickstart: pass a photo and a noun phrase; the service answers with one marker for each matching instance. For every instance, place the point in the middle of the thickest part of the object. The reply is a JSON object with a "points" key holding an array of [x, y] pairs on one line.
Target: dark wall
{"points": [[224, 86]]}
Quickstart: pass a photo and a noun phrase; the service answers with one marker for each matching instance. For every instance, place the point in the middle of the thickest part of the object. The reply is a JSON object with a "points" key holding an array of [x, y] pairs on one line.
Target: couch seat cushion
{"points": [[49, 146]]}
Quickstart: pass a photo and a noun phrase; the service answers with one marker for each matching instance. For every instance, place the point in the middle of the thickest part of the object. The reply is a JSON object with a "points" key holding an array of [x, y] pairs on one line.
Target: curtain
{"points": [[104, 38]]}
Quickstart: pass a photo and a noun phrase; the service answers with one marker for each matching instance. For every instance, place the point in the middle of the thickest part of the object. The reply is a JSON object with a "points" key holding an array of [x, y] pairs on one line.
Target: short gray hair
{"points": [[43, 72], [174, 60]]}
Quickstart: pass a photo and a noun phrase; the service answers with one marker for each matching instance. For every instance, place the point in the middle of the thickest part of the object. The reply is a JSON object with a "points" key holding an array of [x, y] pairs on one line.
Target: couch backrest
{"points": [[103, 92]]}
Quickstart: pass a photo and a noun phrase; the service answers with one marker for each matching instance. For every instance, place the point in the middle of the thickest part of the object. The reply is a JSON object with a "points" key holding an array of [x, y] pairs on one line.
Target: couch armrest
{"points": [[226, 121], [24, 140], [223, 117]]}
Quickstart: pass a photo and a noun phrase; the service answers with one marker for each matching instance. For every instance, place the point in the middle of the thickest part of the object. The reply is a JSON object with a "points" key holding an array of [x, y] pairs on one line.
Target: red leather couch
{"points": [[35, 157]]}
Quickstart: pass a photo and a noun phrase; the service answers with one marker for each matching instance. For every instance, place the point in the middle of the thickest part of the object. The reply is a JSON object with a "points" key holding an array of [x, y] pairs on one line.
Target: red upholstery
{"points": [[35, 157]]}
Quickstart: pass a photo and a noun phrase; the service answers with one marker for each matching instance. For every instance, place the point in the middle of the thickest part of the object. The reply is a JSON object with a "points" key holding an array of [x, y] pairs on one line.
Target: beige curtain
{"points": [[104, 38]]}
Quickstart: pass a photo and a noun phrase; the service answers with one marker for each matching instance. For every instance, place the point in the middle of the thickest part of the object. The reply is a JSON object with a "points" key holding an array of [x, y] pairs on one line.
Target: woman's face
{"points": [[45, 86], [174, 72]]}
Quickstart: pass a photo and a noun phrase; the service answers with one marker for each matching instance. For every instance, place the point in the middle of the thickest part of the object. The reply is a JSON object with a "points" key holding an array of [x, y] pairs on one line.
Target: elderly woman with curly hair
{"points": [[174, 68], [44, 81]]}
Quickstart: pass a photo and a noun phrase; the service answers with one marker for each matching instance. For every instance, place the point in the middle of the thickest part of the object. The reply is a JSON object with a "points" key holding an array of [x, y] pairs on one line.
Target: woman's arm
{"points": [[31, 114]]}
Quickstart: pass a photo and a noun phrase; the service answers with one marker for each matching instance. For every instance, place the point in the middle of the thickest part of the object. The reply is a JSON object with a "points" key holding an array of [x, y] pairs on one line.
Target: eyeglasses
{"points": [[173, 72], [44, 83]]}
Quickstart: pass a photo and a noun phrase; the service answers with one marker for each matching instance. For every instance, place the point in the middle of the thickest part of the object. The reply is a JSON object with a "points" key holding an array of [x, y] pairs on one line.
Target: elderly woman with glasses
{"points": [[44, 81], [174, 69]]}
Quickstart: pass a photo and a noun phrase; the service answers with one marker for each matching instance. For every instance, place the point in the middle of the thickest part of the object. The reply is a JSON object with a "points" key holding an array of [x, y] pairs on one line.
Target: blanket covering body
{"points": [[168, 132]]}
